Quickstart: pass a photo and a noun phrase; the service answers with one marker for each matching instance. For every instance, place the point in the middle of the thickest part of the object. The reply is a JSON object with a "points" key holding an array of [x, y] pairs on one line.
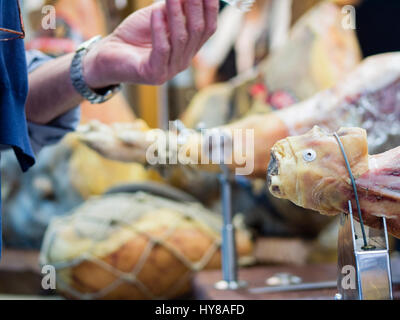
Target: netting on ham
{"points": [[134, 246]]}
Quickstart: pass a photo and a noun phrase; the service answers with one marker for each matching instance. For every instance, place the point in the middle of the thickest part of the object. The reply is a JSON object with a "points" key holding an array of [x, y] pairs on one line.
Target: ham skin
{"points": [[323, 184]]}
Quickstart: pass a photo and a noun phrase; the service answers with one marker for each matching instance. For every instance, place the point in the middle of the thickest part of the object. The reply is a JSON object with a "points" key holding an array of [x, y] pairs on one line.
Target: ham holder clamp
{"points": [[223, 151], [230, 279], [364, 271]]}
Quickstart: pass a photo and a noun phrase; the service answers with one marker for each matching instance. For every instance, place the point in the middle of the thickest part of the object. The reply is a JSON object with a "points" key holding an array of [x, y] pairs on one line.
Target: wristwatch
{"points": [[78, 81]]}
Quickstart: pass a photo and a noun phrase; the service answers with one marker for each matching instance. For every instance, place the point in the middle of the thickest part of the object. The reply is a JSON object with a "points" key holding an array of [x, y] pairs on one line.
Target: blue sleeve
{"points": [[54, 131]]}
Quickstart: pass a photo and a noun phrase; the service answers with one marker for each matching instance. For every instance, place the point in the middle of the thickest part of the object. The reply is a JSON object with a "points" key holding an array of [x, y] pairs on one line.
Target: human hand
{"points": [[153, 44]]}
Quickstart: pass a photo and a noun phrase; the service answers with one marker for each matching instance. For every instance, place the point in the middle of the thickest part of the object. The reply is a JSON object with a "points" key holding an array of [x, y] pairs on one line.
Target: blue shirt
{"points": [[14, 88], [15, 132]]}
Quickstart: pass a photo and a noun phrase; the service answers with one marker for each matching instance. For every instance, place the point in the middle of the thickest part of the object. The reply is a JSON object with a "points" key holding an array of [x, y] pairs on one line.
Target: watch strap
{"points": [[78, 81]]}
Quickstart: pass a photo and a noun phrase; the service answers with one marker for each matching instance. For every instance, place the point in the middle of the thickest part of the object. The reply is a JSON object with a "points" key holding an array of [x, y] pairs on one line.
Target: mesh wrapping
{"points": [[134, 246]]}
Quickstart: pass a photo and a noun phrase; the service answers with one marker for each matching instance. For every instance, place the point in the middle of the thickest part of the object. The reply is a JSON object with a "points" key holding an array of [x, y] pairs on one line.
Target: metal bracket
{"points": [[364, 271], [363, 274], [229, 255]]}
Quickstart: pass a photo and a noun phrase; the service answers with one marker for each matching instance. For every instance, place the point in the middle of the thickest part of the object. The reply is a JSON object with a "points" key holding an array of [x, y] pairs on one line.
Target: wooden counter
{"points": [[256, 276]]}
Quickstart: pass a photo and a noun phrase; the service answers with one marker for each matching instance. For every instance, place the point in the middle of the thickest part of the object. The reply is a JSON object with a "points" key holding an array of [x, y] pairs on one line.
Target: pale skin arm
{"points": [[50, 91], [150, 47]]}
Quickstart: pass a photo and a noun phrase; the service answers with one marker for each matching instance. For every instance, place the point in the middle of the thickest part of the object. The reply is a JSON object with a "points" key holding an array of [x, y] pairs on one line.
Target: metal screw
{"points": [[338, 296]]}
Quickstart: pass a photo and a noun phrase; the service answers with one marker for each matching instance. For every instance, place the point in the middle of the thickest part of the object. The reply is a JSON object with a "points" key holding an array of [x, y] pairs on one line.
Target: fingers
{"points": [[160, 55], [176, 41], [201, 26], [211, 9], [178, 34], [195, 25]]}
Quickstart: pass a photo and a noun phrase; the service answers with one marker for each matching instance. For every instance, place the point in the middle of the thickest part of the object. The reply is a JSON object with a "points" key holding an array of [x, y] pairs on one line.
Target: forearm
{"points": [[51, 93], [149, 47]]}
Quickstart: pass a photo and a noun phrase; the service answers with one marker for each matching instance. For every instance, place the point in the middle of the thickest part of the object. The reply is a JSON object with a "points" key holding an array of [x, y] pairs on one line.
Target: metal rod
{"points": [[163, 106], [229, 263], [295, 287], [229, 256], [302, 286], [354, 188]]}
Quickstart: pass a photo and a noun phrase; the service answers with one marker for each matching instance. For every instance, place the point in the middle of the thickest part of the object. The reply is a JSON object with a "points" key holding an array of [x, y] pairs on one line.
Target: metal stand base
{"points": [[230, 285], [364, 274]]}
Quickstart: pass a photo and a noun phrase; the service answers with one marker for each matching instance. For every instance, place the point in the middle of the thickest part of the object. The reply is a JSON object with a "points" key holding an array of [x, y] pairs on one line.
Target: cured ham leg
{"points": [[367, 98], [310, 171]]}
